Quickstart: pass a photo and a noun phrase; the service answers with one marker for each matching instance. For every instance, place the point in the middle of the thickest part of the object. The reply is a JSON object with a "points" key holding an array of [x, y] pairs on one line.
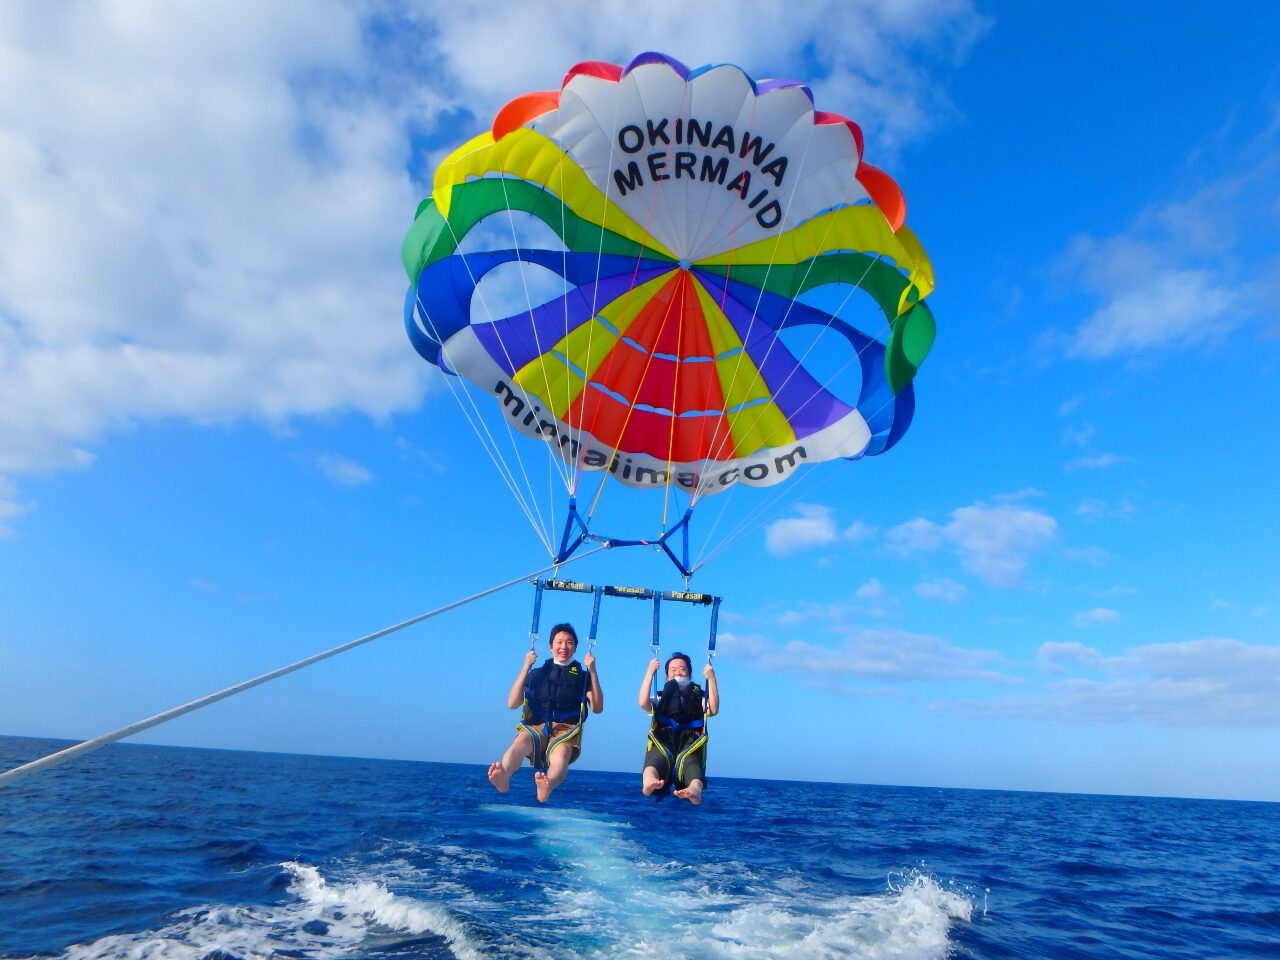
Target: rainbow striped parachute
{"points": [[709, 232]]}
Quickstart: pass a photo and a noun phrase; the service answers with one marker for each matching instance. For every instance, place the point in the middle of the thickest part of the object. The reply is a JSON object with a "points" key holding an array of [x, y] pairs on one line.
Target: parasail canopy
{"points": [[710, 227]]}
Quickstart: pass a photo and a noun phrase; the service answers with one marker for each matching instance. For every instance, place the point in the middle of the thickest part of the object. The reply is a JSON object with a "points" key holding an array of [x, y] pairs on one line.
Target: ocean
{"points": [[162, 852]]}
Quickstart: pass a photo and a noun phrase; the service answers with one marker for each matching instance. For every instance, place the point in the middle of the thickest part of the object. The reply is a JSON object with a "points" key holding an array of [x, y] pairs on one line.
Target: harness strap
{"points": [[543, 742], [679, 726], [676, 762]]}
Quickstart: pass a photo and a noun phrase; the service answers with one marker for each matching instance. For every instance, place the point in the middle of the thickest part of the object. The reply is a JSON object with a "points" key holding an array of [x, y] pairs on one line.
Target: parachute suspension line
{"points": [[772, 506], [579, 431], [16, 773], [822, 385], [488, 442], [705, 557], [724, 298], [768, 509], [631, 293], [556, 462], [675, 393], [511, 437], [758, 376], [631, 405]]}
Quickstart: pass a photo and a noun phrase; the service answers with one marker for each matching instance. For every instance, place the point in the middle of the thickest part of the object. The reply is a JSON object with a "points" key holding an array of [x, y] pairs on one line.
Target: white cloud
{"points": [[203, 203], [342, 471], [1186, 272], [1079, 434], [1094, 461], [868, 654], [12, 506], [875, 600], [872, 56], [1094, 509], [1210, 682], [814, 527], [916, 535], [1057, 657], [942, 590], [859, 532], [1096, 617], [994, 543], [872, 590], [202, 207], [1174, 306]]}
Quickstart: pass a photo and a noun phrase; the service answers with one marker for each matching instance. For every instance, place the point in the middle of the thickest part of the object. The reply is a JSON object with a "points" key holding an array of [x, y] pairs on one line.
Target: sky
{"points": [[220, 454]]}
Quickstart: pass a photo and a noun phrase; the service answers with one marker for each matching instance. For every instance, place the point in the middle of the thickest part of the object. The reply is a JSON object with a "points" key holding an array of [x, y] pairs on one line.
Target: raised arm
{"points": [[595, 696], [646, 686], [516, 696], [713, 690]]}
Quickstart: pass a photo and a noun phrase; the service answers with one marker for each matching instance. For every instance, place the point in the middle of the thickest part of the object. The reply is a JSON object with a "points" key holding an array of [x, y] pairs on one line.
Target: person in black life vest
{"points": [[678, 712], [552, 697]]}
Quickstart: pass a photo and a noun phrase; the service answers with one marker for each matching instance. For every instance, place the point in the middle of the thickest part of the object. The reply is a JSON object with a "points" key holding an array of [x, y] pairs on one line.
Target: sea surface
{"points": [[163, 852]]}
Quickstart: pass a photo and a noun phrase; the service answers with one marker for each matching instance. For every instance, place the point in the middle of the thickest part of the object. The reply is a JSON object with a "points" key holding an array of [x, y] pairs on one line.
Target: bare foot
{"points": [[649, 787], [692, 793], [543, 786], [499, 777]]}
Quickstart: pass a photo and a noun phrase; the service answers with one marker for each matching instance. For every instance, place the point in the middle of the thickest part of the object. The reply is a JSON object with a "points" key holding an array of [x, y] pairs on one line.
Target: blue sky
{"points": [[218, 452]]}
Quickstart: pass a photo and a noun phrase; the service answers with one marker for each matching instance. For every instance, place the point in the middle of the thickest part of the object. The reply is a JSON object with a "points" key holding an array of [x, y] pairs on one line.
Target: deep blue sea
{"points": [[163, 852]]}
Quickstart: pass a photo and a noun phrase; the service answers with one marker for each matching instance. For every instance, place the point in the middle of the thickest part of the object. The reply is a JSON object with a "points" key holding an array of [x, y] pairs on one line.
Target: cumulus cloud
{"points": [[201, 206], [868, 654], [1188, 271], [344, 472], [859, 532], [203, 203], [873, 57], [942, 590], [814, 527], [1058, 657], [1209, 682], [874, 599], [994, 542]]}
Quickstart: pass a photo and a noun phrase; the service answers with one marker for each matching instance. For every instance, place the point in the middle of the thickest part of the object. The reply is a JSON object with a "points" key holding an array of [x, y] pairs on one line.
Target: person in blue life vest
{"points": [[677, 744], [555, 698]]}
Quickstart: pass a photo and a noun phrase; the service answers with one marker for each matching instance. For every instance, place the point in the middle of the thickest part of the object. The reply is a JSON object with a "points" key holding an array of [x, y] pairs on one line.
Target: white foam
{"points": [[611, 899], [604, 896], [911, 922], [324, 922]]}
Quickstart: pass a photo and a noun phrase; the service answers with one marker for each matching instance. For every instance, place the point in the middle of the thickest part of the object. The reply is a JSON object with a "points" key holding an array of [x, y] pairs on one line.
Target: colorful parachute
{"points": [[696, 209]]}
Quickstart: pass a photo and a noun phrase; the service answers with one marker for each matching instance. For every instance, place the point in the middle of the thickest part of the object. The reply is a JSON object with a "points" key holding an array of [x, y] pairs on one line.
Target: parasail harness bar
{"points": [[541, 584]]}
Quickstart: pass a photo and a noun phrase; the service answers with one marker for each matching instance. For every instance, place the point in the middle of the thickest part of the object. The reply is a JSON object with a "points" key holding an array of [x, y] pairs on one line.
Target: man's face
{"points": [[562, 646], [677, 668]]}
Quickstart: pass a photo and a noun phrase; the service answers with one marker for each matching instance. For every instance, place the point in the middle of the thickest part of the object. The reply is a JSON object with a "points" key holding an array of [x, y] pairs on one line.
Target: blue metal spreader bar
{"points": [[576, 533], [633, 593]]}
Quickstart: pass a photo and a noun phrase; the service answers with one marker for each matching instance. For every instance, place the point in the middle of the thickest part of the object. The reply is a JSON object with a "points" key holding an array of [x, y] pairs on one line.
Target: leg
{"points": [[501, 770], [694, 777], [557, 770], [654, 775]]}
